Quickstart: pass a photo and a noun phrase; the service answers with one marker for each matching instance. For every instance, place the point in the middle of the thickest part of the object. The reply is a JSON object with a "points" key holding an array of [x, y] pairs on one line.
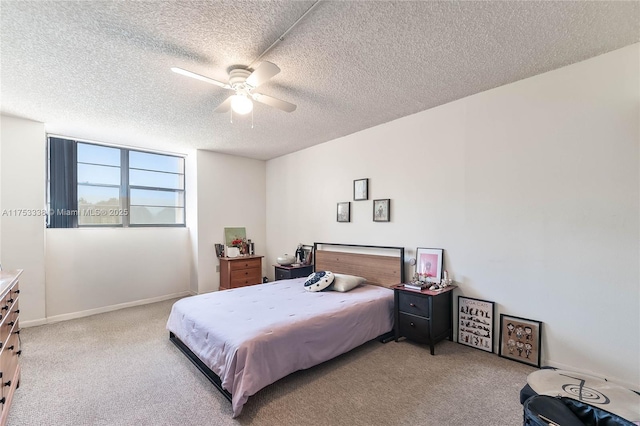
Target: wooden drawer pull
{"points": [[4, 308], [8, 383], [17, 292], [10, 323], [10, 348], [19, 352], [10, 301]]}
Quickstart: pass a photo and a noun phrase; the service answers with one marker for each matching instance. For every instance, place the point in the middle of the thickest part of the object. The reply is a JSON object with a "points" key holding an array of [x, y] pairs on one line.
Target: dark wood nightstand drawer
{"points": [[413, 304], [282, 274], [290, 272], [414, 328]]}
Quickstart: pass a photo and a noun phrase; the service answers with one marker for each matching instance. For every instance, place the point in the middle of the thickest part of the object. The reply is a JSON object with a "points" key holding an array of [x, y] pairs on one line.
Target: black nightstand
{"points": [[289, 272], [423, 316]]}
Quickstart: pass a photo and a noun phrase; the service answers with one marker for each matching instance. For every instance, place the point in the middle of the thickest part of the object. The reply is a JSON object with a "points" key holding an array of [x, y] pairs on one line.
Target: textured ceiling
{"points": [[100, 70]]}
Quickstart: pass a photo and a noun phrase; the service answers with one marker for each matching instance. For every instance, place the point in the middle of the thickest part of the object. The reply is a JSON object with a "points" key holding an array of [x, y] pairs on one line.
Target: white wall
{"points": [[22, 169], [91, 269], [231, 193], [83, 271], [533, 189], [1, 125], [191, 185], [86, 271]]}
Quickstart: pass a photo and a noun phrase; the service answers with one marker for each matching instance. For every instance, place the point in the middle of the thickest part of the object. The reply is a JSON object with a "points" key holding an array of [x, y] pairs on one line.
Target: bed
{"points": [[246, 338]]}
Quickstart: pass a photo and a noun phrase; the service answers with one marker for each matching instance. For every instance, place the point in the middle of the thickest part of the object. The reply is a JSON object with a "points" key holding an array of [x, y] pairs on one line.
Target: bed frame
{"points": [[364, 261], [381, 270]]}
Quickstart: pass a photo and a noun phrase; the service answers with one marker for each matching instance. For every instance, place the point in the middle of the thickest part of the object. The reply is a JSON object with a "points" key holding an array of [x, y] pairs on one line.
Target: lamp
{"points": [[241, 104]]}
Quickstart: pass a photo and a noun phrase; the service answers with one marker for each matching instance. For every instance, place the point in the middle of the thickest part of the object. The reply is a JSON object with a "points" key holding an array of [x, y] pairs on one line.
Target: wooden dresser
{"points": [[240, 271], [9, 339]]}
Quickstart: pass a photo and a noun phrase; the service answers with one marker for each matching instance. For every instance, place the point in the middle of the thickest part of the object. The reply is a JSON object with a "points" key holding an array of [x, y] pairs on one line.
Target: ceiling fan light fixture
{"points": [[241, 104]]}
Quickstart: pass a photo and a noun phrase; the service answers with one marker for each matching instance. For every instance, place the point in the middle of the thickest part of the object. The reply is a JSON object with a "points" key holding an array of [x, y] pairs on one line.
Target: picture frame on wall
{"points": [[429, 264], [520, 339], [476, 327], [360, 189], [382, 210], [344, 212]]}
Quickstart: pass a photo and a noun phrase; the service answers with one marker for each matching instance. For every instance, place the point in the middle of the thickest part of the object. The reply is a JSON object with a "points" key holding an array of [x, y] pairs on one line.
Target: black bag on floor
{"points": [[543, 410]]}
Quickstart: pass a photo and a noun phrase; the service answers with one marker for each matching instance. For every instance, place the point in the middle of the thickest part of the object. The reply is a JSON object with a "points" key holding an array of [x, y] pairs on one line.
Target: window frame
{"points": [[125, 187]]}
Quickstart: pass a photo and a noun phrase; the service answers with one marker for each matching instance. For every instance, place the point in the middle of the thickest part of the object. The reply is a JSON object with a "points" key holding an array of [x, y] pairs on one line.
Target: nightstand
{"points": [[240, 271], [423, 316], [288, 272]]}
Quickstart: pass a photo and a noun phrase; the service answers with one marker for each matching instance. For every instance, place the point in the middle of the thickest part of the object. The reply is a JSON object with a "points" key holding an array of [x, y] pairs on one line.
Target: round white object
{"points": [[286, 260], [588, 389]]}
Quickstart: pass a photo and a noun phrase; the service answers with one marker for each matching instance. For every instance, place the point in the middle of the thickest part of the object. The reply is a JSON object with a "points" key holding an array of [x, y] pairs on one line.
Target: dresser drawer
{"points": [[238, 265], [413, 304], [414, 328], [245, 277]]}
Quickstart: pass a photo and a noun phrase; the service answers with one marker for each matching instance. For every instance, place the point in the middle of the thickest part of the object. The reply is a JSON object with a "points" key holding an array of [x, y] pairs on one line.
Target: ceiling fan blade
{"points": [[225, 106], [200, 77], [276, 103], [264, 72]]}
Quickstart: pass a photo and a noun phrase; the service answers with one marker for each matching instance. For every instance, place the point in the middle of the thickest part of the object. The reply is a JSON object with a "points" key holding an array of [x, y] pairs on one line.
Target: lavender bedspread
{"points": [[253, 336]]}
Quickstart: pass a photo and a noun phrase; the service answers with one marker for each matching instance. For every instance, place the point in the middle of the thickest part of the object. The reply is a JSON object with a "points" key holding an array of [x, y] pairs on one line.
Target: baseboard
{"points": [[101, 310], [616, 380], [33, 323]]}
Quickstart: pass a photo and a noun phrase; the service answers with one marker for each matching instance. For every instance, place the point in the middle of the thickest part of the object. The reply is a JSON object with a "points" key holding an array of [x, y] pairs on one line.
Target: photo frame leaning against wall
{"points": [[476, 326], [520, 339], [429, 264]]}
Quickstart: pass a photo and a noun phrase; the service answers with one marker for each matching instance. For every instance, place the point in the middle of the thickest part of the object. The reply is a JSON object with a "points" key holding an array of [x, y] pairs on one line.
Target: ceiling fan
{"points": [[243, 82]]}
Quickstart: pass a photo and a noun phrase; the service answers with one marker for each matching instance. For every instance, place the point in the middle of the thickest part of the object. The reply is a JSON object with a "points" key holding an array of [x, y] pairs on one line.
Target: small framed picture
{"points": [[344, 212], [360, 189], [381, 210], [475, 323], [520, 339], [429, 264]]}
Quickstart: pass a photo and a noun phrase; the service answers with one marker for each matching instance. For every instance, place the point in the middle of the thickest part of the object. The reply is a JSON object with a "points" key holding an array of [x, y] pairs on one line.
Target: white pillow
{"points": [[344, 282], [318, 281]]}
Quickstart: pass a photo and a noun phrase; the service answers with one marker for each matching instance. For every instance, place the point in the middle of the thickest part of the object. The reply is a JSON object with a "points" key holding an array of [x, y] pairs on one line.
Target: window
{"points": [[96, 185]]}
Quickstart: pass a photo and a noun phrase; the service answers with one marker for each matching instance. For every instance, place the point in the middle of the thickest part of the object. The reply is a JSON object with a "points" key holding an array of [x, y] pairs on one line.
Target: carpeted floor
{"points": [[119, 368]]}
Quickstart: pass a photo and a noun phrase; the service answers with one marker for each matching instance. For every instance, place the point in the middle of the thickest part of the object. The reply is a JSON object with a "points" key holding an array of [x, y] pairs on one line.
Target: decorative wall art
{"points": [[234, 234], [360, 189], [520, 339], [381, 210], [475, 323], [429, 264], [344, 212]]}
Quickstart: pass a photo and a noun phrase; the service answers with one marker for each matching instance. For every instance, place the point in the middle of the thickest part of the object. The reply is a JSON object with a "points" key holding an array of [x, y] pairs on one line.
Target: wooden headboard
{"points": [[385, 270]]}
